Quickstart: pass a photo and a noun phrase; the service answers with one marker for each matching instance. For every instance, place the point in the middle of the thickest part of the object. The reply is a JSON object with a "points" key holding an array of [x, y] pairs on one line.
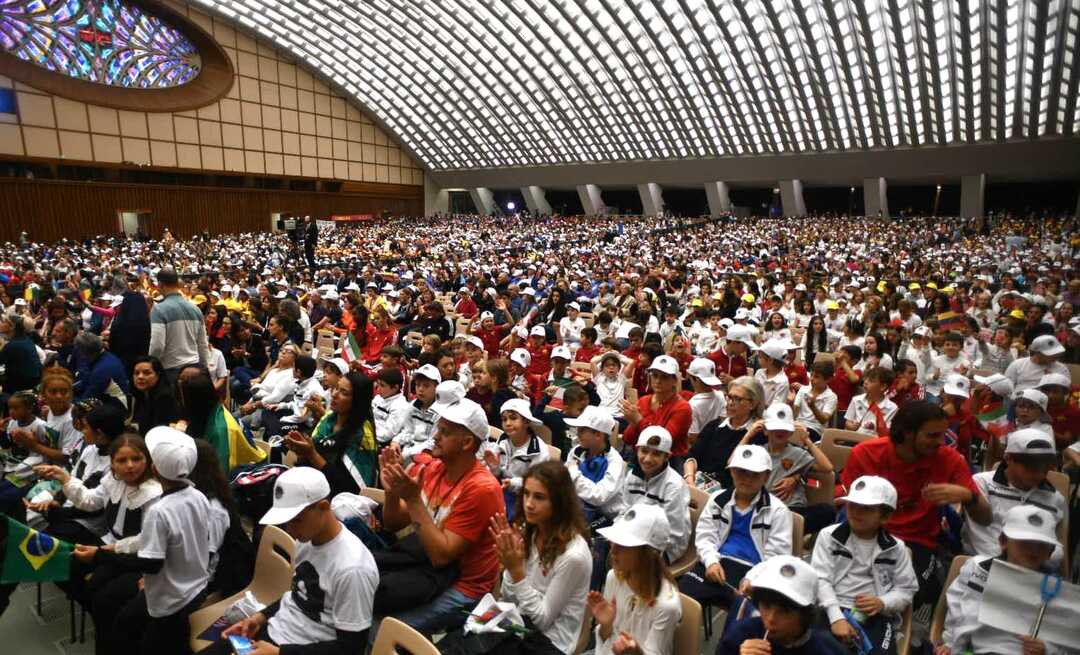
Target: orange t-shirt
{"points": [[465, 507]]}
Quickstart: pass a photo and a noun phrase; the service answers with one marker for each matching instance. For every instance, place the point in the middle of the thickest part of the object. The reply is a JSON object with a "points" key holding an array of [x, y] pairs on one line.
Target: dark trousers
{"points": [[707, 592], [110, 590], [309, 255], [815, 517], [11, 497], [222, 646], [928, 572], [73, 532], [879, 631], [165, 635]]}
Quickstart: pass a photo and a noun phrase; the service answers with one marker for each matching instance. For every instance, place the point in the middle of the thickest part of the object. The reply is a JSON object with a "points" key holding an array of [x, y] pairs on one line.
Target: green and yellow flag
{"points": [[33, 556]]}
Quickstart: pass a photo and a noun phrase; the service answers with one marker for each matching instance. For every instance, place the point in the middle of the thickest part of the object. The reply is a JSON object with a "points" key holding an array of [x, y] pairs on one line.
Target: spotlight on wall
{"points": [[510, 206]]}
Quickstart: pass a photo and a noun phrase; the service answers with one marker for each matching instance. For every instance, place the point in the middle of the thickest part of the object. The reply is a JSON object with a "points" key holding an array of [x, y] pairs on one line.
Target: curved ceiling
{"points": [[466, 84]]}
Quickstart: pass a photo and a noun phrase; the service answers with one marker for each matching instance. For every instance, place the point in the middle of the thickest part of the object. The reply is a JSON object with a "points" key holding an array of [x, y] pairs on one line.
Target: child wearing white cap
{"points": [[1027, 540], [1029, 406], [1020, 479], [708, 402], [795, 459], [1027, 372], [783, 590], [595, 468], [772, 356], [739, 528], [652, 481], [416, 434], [865, 576], [1063, 416], [571, 325], [390, 409], [329, 606], [639, 608], [173, 555], [517, 449], [474, 354]]}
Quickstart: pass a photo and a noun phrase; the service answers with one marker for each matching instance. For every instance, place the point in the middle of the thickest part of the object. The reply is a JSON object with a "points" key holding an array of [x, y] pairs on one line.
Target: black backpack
{"points": [[253, 490]]}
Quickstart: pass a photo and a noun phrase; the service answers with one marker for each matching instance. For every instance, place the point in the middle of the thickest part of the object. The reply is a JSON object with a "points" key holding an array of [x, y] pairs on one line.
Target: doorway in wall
{"points": [[134, 222]]}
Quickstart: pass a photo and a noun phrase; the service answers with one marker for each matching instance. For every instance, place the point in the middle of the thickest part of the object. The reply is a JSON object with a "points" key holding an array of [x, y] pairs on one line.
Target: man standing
{"points": [[177, 330], [311, 237]]}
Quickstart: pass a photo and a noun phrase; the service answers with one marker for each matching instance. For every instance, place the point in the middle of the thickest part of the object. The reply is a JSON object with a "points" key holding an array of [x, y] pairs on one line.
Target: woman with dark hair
{"points": [[154, 402], [215, 324], [246, 357], [129, 332], [342, 445], [554, 308], [815, 340], [19, 356], [206, 418], [546, 562]]}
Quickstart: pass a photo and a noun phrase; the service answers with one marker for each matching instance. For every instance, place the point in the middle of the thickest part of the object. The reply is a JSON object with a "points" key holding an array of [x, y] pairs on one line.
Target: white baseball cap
{"points": [[538, 331], [1055, 380], [594, 418], [448, 392], [751, 458], [1033, 395], [742, 334], [666, 364], [521, 356], [528, 291], [486, 315], [294, 491], [430, 372], [521, 332], [998, 383], [641, 525], [871, 490], [742, 314], [574, 306], [656, 437], [957, 385], [774, 349], [788, 576], [779, 416], [1047, 345], [1030, 441], [173, 453], [521, 407], [923, 331], [561, 352], [473, 340], [1030, 523], [465, 413], [705, 370]]}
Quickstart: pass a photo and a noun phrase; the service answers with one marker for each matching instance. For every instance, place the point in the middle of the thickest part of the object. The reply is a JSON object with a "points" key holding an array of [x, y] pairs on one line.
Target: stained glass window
{"points": [[104, 41]]}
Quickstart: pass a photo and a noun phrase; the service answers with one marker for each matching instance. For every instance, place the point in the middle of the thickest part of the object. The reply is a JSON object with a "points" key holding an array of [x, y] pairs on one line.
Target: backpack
{"points": [[253, 490]]}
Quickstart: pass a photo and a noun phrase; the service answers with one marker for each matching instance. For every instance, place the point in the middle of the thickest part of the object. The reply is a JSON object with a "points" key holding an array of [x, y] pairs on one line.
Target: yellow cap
{"points": [[832, 304], [881, 285], [748, 297], [914, 286], [696, 302], [1016, 313], [948, 291], [931, 285]]}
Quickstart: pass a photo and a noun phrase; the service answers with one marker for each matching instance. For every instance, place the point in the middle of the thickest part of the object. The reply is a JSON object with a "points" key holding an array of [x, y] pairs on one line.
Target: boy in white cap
{"points": [[518, 448], [559, 377], [653, 482], [739, 528], [1063, 417], [595, 468], [1030, 408], [639, 608], [390, 409], [1045, 351], [1020, 479], [415, 435], [865, 575], [329, 606], [174, 555], [474, 354], [772, 357], [571, 325], [708, 401], [1027, 540], [783, 589], [795, 459]]}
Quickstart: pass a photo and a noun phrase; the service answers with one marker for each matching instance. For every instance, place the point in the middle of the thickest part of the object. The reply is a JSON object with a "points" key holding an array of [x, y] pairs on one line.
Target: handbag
{"points": [[407, 578]]}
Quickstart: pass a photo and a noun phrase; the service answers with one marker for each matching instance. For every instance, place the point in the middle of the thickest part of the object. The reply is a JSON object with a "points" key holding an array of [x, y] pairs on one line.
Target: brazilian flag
{"points": [[33, 556]]}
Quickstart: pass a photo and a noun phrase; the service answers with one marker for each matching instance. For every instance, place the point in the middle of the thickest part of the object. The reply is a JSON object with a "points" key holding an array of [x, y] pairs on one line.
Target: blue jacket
{"points": [[818, 642], [105, 369]]}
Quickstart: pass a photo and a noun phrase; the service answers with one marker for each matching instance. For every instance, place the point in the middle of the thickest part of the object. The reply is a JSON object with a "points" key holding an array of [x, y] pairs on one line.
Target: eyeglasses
{"points": [[742, 399]]}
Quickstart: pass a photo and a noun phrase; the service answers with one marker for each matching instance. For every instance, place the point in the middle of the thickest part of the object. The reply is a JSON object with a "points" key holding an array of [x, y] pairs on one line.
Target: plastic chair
{"points": [[904, 638], [264, 446], [584, 367], [378, 495], [688, 633], [588, 318], [837, 445], [556, 454], [494, 433], [797, 527], [395, 636], [937, 623], [273, 577], [1060, 482], [689, 559], [544, 432]]}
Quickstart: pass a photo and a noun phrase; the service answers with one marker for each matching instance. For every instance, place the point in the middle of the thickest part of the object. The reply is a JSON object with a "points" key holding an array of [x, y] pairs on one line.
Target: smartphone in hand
{"points": [[241, 645]]}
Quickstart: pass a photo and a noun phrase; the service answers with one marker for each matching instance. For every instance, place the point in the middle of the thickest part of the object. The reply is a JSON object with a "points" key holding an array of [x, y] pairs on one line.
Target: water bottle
{"points": [[858, 616]]}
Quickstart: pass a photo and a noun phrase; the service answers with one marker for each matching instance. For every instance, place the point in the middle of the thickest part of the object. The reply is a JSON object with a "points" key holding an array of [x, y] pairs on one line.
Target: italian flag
{"points": [[995, 419], [350, 350]]}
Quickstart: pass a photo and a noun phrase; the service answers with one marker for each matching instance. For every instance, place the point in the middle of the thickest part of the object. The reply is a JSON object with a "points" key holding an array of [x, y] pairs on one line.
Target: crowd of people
{"points": [[599, 420]]}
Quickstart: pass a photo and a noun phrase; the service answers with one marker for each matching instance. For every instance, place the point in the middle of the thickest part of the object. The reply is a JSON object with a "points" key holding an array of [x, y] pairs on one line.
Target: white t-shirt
{"points": [[216, 365], [705, 407], [175, 529], [335, 582], [70, 440], [776, 387], [866, 420], [826, 404], [554, 599], [1025, 373], [218, 522]]}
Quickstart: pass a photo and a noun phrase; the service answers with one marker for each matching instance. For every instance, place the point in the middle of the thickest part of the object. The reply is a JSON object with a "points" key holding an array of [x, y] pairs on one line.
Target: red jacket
{"points": [[674, 415], [728, 365]]}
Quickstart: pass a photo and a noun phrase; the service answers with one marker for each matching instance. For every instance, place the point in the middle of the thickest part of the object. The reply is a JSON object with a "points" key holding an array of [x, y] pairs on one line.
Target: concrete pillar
{"points": [[652, 198], [535, 200], [591, 202], [791, 198], [874, 197], [436, 198], [972, 196], [719, 200], [484, 201]]}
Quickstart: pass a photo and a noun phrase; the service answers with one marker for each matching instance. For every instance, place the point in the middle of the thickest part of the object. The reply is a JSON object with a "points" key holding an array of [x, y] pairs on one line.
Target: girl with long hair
{"points": [[154, 400], [206, 418]]}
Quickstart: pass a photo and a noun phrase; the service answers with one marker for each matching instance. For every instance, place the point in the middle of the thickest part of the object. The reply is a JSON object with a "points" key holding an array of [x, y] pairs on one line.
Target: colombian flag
{"points": [[33, 556]]}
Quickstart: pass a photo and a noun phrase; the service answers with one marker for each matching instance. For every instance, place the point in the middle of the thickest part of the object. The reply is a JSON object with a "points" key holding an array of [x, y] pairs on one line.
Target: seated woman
{"points": [[154, 402], [784, 591], [342, 445], [639, 609], [206, 418], [545, 559], [710, 453]]}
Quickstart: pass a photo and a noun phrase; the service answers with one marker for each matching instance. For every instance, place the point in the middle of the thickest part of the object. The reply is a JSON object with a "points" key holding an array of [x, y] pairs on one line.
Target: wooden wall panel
{"points": [[50, 210]]}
